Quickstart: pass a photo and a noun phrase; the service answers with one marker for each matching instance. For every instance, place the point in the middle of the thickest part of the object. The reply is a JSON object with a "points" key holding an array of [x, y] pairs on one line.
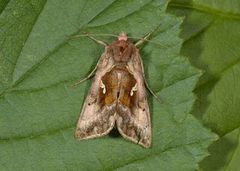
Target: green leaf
{"points": [[234, 160], [211, 39], [211, 42], [225, 154], [40, 60]]}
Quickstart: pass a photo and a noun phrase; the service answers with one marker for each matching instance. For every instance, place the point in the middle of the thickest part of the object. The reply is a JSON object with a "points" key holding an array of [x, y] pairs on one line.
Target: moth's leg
{"points": [[97, 41], [151, 91], [86, 78], [146, 83]]}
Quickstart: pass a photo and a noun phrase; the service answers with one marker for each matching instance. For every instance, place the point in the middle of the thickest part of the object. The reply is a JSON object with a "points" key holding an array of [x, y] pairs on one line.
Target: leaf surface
{"points": [[41, 59], [211, 37]]}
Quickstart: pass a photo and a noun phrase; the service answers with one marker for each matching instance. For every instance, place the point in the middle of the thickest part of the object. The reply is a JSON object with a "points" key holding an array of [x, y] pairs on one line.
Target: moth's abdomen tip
{"points": [[122, 36]]}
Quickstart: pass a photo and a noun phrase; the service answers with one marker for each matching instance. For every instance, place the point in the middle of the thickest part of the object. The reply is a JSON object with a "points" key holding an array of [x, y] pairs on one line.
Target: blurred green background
{"points": [[211, 33]]}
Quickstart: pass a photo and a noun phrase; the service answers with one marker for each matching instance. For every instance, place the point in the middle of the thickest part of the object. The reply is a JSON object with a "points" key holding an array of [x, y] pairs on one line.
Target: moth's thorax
{"points": [[121, 50]]}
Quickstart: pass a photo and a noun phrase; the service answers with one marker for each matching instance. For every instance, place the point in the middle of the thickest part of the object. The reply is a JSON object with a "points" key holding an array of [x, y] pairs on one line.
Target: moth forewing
{"points": [[138, 122], [117, 96], [94, 120]]}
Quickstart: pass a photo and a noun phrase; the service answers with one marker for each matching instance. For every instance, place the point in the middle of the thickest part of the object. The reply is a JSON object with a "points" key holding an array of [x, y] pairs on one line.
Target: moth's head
{"points": [[122, 36], [121, 48], [122, 43]]}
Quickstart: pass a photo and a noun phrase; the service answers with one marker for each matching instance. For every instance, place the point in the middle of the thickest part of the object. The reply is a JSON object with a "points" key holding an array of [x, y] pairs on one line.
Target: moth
{"points": [[117, 96]]}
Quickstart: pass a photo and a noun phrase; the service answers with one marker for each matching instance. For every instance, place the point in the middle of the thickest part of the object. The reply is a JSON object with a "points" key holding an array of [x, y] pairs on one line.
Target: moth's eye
{"points": [[143, 109], [89, 104]]}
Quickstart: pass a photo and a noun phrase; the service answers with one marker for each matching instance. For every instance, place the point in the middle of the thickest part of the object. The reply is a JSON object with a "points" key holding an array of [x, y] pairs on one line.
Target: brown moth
{"points": [[117, 96]]}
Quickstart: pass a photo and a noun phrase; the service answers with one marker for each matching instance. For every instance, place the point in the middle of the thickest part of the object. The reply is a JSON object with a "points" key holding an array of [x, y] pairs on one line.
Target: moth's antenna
{"points": [[97, 41], [142, 40], [91, 37], [95, 34], [145, 38]]}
